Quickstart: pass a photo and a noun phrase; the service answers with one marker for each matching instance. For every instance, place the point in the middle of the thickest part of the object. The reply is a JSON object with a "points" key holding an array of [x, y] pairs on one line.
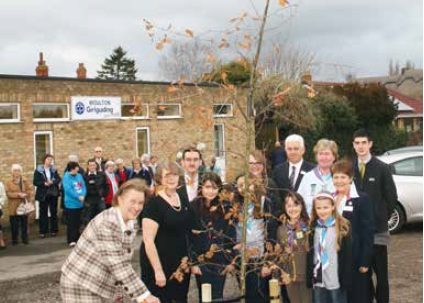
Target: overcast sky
{"points": [[359, 36]]}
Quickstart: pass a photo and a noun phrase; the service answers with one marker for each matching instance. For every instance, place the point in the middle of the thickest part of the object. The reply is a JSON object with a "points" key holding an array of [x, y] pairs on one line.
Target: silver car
{"points": [[407, 169]]}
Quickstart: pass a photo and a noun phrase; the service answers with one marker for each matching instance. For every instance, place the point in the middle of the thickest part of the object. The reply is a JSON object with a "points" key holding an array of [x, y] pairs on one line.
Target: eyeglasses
{"points": [[255, 163], [98, 151], [169, 176]]}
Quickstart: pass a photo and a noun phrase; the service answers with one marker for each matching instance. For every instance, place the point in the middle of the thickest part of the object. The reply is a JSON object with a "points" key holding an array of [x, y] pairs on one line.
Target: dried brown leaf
{"points": [[189, 33], [283, 2]]}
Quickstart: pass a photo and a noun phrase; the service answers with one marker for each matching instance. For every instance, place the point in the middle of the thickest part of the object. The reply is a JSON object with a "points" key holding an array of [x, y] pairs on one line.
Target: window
{"points": [[222, 110], [43, 144], [142, 141], [167, 111], [219, 140], [129, 110], [409, 167], [10, 112], [50, 112]]}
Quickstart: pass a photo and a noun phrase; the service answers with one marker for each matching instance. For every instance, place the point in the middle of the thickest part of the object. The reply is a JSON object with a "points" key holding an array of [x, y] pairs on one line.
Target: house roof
{"points": [[415, 104]]}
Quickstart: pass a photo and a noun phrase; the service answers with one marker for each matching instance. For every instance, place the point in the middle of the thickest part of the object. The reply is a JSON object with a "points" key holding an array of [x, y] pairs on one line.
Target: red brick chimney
{"points": [[81, 71], [42, 70]]}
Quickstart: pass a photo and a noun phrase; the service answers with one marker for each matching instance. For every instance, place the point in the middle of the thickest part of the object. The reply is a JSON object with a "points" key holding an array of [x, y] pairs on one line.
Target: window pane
{"points": [[409, 167], [50, 111], [219, 140], [165, 110], [9, 112], [129, 110], [142, 142], [42, 147], [222, 110]]}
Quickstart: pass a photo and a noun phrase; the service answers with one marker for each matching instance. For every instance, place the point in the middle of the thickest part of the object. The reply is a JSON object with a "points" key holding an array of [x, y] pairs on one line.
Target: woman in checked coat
{"points": [[99, 267]]}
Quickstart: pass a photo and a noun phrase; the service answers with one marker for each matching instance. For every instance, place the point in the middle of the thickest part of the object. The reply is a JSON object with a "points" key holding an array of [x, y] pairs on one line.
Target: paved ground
{"points": [[31, 273]]}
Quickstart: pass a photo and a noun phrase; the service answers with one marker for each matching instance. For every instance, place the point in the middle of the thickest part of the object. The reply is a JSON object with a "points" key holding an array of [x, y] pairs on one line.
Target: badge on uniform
{"points": [[299, 235], [349, 206]]}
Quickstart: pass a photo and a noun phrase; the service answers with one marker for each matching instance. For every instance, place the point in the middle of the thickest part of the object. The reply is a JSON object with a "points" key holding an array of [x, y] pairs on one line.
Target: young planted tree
{"points": [[118, 67], [279, 99]]}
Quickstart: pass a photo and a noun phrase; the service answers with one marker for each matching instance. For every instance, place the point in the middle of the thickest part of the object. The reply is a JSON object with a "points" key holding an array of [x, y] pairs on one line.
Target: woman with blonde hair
{"points": [[99, 267], [320, 178], [18, 190]]}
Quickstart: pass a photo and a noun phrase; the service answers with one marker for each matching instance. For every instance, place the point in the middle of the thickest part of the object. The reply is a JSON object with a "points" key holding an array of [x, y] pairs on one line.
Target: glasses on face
{"points": [[98, 151], [255, 163]]}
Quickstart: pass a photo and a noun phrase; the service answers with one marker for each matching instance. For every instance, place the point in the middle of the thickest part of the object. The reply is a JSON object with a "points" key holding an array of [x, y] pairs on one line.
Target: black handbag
{"points": [[52, 191]]}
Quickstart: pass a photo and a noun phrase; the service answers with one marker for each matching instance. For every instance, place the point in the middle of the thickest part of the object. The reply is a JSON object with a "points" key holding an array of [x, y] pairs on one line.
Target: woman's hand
{"points": [[195, 270], [151, 299], [160, 278], [22, 195]]}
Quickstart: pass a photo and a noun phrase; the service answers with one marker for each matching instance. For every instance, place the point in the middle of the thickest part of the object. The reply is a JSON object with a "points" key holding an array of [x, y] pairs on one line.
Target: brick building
{"points": [[36, 116]]}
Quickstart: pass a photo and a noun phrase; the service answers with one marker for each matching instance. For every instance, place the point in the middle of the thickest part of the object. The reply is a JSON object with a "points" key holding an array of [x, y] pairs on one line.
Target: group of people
{"points": [[84, 193], [330, 216]]}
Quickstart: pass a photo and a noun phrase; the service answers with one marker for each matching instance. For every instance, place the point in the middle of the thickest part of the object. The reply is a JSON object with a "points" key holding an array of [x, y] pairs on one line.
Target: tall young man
{"points": [[374, 178]]}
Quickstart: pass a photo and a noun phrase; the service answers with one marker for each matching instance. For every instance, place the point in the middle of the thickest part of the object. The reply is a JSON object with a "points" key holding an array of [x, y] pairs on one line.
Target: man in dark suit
{"points": [[189, 183], [289, 174], [374, 178]]}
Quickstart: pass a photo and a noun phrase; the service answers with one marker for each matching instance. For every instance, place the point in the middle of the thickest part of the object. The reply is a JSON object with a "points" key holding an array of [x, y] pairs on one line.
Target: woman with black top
{"points": [[167, 220], [211, 229]]}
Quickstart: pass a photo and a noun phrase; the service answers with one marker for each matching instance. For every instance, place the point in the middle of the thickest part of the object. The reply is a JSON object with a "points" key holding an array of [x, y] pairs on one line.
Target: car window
{"points": [[409, 167]]}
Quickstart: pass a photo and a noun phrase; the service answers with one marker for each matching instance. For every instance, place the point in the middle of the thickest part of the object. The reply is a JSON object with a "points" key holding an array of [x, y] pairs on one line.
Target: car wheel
{"points": [[397, 219]]}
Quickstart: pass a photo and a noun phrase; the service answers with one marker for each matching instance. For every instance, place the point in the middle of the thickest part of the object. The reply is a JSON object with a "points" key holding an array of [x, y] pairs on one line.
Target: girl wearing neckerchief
{"points": [[293, 234], [329, 260]]}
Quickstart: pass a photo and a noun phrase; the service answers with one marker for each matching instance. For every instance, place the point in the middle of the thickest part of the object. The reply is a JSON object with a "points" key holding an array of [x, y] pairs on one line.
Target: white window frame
{"points": [[231, 114], [169, 117], [223, 140], [52, 119], [136, 139], [42, 132], [146, 117], [18, 119]]}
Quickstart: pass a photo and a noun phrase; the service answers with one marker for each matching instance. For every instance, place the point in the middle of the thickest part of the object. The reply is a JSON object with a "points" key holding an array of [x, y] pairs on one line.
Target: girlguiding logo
{"points": [[79, 108]]}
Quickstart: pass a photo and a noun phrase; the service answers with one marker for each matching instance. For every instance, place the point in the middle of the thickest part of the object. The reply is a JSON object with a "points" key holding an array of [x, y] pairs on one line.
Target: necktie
{"points": [[362, 169], [291, 177]]}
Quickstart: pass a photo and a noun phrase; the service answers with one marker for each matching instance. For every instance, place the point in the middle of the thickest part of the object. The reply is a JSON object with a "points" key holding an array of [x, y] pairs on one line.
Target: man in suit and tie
{"points": [[289, 174], [189, 183]]}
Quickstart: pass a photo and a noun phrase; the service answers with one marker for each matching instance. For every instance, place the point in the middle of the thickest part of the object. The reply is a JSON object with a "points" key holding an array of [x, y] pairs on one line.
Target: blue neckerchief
{"points": [[322, 256]]}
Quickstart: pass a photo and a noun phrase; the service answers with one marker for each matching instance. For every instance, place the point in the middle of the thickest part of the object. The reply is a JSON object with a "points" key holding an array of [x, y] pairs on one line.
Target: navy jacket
{"points": [[142, 174], [280, 175], [216, 230], [39, 179], [379, 185], [362, 228]]}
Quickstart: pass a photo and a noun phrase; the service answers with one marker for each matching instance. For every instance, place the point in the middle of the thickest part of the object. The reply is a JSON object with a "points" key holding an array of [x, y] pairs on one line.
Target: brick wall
{"points": [[117, 137]]}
